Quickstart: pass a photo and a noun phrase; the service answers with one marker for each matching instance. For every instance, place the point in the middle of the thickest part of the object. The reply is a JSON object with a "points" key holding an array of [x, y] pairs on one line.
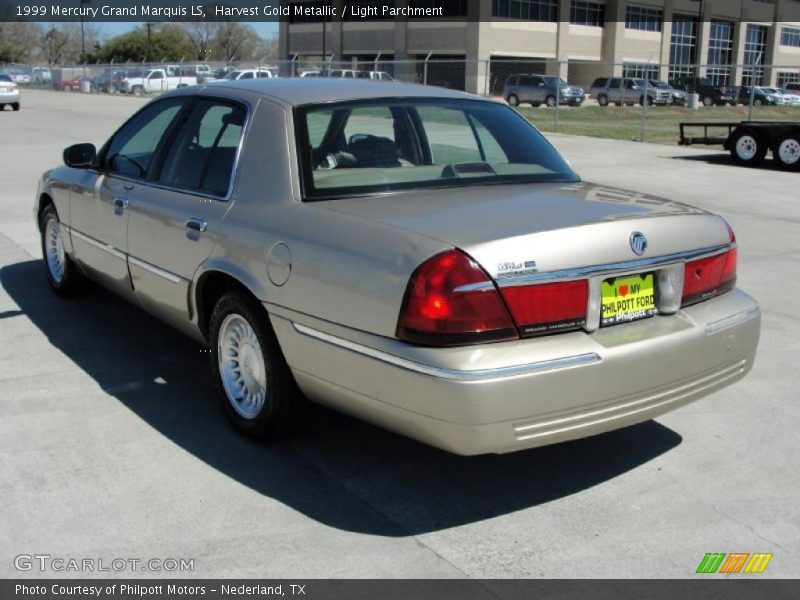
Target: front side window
{"points": [[203, 153], [131, 150], [357, 148]]}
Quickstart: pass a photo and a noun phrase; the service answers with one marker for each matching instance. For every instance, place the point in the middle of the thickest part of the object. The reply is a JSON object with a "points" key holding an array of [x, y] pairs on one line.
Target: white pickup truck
{"points": [[149, 81]]}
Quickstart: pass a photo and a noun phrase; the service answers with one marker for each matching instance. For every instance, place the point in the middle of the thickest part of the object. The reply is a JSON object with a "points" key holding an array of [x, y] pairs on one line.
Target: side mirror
{"points": [[80, 156]]}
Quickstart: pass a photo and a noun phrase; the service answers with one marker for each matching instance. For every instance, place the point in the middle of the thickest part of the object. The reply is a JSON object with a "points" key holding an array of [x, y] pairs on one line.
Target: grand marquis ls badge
{"points": [[638, 243]]}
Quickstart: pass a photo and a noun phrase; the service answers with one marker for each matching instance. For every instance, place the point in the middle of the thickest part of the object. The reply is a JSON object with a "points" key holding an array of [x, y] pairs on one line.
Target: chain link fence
{"points": [[630, 100]]}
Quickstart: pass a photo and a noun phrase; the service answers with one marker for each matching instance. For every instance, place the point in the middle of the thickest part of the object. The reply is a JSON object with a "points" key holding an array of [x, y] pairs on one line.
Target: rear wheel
{"points": [[602, 100], [15, 106], [758, 102], [137, 90], [536, 104], [512, 100], [62, 275], [747, 147], [708, 101], [787, 151], [642, 100], [550, 101], [254, 383]]}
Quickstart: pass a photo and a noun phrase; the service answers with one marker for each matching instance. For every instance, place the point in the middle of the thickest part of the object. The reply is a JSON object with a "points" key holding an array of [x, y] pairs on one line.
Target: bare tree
{"points": [[202, 35], [58, 46], [18, 41], [234, 41]]}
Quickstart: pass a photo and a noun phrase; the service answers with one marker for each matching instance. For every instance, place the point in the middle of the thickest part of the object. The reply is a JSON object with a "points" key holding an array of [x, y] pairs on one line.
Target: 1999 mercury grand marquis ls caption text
{"points": [[420, 258]]}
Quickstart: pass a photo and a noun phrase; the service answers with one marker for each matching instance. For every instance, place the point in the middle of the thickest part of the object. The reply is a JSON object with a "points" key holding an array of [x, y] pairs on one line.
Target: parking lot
{"points": [[112, 443]]}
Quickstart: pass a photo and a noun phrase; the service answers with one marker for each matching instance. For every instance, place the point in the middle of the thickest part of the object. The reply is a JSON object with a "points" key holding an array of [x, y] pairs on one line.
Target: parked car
{"points": [[761, 96], [251, 74], [541, 89], [310, 73], [9, 93], [626, 90], [792, 98], [710, 93], [418, 257], [19, 75], [215, 75], [343, 73], [110, 80], [793, 86], [74, 84], [375, 75], [41, 75], [679, 97]]}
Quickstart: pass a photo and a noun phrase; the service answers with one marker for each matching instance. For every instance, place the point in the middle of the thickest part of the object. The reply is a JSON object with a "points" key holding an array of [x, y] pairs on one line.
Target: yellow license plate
{"points": [[625, 299]]}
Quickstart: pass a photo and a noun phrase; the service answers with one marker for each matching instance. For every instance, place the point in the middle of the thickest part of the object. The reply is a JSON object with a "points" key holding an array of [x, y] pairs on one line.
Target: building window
{"points": [[640, 71], [450, 8], [645, 19], [587, 13], [754, 47], [311, 5], [720, 52], [682, 45], [785, 78], [367, 10], [527, 10], [790, 36]]}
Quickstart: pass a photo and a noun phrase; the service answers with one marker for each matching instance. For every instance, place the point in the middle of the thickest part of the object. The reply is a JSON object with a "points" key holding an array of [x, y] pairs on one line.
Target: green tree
{"points": [[166, 42]]}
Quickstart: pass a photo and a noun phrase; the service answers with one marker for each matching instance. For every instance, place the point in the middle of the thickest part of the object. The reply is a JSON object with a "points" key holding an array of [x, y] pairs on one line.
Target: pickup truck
{"points": [[147, 81]]}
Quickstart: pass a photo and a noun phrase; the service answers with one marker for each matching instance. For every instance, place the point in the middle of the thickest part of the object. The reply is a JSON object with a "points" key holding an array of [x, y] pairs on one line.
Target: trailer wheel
{"points": [[787, 151], [747, 147]]}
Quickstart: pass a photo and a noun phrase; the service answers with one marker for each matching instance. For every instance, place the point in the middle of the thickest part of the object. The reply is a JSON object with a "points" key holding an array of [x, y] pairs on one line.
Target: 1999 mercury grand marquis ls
{"points": [[420, 258]]}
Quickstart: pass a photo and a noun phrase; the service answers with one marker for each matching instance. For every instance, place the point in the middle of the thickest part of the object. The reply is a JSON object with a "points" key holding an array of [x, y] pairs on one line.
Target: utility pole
{"points": [[147, 54]]}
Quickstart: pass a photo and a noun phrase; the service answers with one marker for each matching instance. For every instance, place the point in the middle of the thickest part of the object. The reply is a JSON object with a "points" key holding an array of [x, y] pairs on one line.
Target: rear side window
{"points": [[614, 84], [600, 82], [202, 155]]}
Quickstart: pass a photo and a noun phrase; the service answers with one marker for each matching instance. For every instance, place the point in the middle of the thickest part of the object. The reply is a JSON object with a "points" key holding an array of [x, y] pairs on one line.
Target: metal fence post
{"points": [[377, 58], [425, 69], [753, 88], [487, 75], [645, 99]]}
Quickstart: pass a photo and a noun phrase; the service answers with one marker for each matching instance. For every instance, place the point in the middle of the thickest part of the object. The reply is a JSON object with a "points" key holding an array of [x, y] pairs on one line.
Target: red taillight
{"points": [[708, 277], [436, 312], [548, 307]]}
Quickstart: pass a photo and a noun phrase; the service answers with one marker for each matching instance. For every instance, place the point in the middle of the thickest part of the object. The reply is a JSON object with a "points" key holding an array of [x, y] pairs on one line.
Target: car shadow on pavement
{"points": [[341, 472]]}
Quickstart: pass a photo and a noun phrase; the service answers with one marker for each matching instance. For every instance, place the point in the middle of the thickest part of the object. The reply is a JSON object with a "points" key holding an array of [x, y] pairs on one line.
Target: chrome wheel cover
{"points": [[789, 151], [746, 147], [54, 250], [241, 366]]}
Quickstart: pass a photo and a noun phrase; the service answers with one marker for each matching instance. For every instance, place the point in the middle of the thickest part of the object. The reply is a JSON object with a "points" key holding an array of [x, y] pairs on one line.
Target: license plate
{"points": [[625, 299]]}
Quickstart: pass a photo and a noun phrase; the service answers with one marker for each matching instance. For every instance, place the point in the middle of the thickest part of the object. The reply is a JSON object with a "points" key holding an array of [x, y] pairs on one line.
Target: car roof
{"points": [[316, 90]]}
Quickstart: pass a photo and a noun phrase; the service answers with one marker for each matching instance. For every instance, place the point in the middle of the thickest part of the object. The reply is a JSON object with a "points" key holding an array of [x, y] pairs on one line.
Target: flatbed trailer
{"points": [[749, 141]]}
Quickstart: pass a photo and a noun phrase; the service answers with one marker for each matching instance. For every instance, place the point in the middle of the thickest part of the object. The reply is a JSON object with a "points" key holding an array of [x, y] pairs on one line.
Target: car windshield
{"points": [[662, 85], [135, 73], [233, 74], [640, 82], [553, 81], [357, 148]]}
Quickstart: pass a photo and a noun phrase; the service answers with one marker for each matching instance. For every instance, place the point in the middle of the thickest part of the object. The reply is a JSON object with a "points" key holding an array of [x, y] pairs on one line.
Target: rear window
{"points": [[357, 148]]}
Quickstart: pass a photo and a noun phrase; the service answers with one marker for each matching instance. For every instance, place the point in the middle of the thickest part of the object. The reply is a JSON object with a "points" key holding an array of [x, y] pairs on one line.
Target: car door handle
{"points": [[128, 186], [121, 203], [196, 225]]}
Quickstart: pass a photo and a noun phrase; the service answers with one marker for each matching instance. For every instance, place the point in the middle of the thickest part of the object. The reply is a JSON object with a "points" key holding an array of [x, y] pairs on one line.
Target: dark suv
{"points": [[710, 93]]}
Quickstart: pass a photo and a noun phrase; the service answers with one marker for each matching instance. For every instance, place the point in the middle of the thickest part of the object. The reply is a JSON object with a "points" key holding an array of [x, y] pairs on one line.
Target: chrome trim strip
{"points": [[452, 374], [732, 320], [630, 265], [97, 244], [480, 286], [154, 270]]}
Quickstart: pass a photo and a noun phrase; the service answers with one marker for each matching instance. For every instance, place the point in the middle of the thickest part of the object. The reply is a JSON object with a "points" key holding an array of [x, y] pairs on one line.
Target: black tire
{"points": [[758, 102], [137, 90], [747, 147], [787, 151], [642, 100], [512, 100], [707, 101], [602, 100], [15, 106], [284, 409], [71, 282], [536, 104], [550, 101]]}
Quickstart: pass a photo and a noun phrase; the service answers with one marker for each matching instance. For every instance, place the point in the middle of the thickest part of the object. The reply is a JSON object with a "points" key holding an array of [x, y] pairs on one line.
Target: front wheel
{"points": [[787, 151], [15, 106], [747, 148], [550, 101], [62, 275], [758, 102], [642, 100], [254, 383], [602, 100], [708, 101]]}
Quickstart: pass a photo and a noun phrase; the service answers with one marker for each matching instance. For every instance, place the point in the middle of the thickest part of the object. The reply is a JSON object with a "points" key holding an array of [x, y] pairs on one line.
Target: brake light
{"points": [[436, 312], [708, 277], [548, 307]]}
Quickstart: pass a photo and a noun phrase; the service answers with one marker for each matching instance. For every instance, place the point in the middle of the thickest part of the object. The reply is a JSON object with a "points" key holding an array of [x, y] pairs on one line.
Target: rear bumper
{"points": [[509, 396], [9, 97]]}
